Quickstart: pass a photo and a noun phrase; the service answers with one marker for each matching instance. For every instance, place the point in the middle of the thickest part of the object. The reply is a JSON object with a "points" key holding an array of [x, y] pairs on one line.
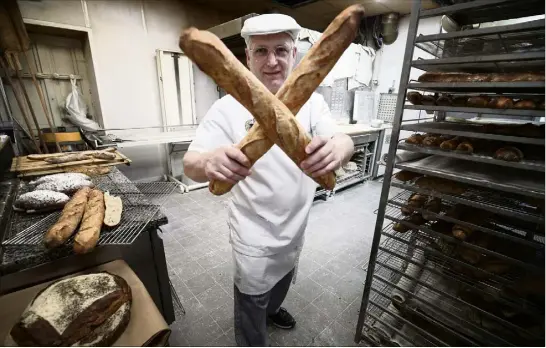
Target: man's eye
{"points": [[281, 52], [261, 51]]}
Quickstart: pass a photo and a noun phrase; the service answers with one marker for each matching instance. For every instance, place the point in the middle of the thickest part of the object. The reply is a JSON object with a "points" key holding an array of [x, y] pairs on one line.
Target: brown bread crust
{"points": [[87, 237], [70, 218]]}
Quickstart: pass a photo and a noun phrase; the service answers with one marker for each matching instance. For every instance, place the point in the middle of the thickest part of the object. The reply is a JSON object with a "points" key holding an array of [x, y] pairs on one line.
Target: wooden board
{"points": [[26, 167]]}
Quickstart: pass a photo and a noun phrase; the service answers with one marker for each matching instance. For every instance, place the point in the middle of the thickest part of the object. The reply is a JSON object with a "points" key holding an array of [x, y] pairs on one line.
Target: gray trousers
{"points": [[251, 312]]}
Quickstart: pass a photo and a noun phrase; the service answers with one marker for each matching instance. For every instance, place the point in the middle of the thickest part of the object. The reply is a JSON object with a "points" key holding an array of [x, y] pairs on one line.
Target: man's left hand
{"points": [[324, 157]]}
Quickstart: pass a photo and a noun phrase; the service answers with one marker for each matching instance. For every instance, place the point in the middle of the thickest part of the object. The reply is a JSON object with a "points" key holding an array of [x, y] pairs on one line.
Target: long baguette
{"points": [[42, 157], [69, 220], [302, 82], [280, 125], [87, 237]]}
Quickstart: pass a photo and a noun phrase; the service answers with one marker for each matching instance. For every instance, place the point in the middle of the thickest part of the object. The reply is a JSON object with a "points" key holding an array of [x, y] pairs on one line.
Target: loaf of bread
{"points": [[88, 235], [509, 154], [416, 200], [415, 219], [294, 92], [440, 185], [525, 104], [41, 157], [432, 141], [91, 171], [415, 139], [69, 220], [432, 205], [451, 144], [477, 102], [90, 310], [459, 101], [67, 186], [114, 208], [59, 177], [104, 155], [428, 100], [414, 98], [501, 103], [406, 175], [444, 100], [40, 200], [68, 158], [465, 147]]}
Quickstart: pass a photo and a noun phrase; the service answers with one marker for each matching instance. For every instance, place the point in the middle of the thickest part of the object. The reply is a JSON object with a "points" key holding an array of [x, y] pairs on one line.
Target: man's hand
{"points": [[324, 157], [228, 164]]}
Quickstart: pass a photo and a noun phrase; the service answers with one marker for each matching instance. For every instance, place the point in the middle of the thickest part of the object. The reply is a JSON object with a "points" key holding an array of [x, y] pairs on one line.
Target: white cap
{"points": [[270, 24]]}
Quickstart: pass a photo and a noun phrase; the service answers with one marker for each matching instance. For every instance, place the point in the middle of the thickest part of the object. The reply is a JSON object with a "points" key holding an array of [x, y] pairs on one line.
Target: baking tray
{"points": [[501, 112], [520, 37], [480, 87], [527, 234], [537, 166], [480, 174], [467, 130], [509, 62], [482, 11]]}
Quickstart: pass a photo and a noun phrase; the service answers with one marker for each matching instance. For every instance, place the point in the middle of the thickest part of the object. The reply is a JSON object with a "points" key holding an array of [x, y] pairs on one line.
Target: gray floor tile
{"points": [[332, 305], [224, 316], [194, 311], [308, 288], [294, 303], [188, 270], [326, 279], [181, 289], [223, 274], [200, 283], [312, 319], [203, 332], [297, 337], [198, 250], [339, 266], [214, 298], [189, 240], [349, 317], [335, 335], [226, 340], [306, 266], [211, 260]]}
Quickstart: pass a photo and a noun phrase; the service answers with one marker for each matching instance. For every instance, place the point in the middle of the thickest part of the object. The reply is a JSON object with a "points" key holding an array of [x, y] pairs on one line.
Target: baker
{"points": [[269, 207]]}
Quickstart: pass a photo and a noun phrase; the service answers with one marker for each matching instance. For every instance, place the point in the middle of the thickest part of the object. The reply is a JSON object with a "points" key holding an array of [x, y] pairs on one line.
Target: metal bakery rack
{"points": [[457, 257], [141, 203]]}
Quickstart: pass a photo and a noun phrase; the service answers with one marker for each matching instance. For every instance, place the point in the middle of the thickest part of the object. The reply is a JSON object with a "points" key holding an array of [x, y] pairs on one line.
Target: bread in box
{"points": [[86, 310]]}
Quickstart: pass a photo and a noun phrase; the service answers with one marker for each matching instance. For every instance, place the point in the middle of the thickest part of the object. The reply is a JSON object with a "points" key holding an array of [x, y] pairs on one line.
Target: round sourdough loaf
{"points": [[86, 310]]}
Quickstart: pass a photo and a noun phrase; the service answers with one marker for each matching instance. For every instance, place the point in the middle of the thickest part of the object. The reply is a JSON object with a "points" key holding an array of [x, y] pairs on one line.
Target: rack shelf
{"points": [[470, 130], [500, 112], [480, 87]]}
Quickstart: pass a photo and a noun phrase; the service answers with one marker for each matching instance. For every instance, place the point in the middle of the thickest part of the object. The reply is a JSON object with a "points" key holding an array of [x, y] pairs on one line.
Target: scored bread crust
{"points": [[70, 218], [87, 237], [302, 82]]}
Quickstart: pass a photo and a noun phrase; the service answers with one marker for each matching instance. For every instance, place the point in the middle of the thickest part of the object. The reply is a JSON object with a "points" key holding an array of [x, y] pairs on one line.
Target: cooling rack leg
{"points": [[404, 78]]}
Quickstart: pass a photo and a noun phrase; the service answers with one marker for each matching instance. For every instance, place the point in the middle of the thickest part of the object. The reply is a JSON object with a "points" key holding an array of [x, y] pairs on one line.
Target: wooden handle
{"points": [[302, 82], [280, 125]]}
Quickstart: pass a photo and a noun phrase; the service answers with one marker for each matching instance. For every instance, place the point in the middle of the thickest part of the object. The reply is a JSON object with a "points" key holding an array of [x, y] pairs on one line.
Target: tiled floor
{"points": [[326, 297]]}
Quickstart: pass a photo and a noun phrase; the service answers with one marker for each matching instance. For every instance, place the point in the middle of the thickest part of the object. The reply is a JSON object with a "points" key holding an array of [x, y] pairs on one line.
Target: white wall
{"points": [[125, 35], [390, 58]]}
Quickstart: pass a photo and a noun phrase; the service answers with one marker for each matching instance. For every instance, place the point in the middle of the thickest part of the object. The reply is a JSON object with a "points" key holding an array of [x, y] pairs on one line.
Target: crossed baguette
{"points": [[274, 114]]}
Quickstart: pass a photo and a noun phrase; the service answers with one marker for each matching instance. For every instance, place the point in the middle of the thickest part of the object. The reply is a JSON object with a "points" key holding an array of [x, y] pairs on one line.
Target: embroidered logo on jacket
{"points": [[249, 124]]}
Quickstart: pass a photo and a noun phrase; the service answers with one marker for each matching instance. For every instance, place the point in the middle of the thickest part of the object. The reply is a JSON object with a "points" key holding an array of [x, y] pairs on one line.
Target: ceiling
{"points": [[316, 14]]}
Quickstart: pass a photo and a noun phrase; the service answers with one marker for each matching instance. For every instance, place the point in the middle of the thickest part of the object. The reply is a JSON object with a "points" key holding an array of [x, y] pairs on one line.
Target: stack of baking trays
{"points": [[73, 206], [458, 252]]}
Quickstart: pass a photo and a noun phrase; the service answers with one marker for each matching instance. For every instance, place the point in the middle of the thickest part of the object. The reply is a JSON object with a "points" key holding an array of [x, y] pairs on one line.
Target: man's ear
{"points": [[294, 53], [247, 58]]}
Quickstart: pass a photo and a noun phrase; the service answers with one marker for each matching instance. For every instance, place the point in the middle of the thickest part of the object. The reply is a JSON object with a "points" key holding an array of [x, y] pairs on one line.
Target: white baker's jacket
{"points": [[268, 211]]}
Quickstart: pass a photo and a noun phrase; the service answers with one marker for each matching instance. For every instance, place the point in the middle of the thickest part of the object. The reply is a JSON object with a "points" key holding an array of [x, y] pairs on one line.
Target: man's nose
{"points": [[271, 59]]}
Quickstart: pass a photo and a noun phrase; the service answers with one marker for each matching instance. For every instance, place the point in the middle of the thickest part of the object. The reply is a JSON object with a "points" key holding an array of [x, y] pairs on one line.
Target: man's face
{"points": [[271, 58]]}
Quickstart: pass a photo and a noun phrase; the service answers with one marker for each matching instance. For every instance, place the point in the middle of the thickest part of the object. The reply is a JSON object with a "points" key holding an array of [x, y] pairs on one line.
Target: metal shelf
{"points": [[529, 235], [470, 130], [510, 62], [480, 87], [482, 11], [537, 166], [494, 202], [479, 174], [520, 37], [468, 110]]}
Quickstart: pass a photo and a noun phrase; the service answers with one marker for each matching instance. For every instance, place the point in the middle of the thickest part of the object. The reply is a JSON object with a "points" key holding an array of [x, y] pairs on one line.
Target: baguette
{"points": [[114, 208], [59, 177], [299, 86], [70, 218], [87, 237], [41, 200], [67, 186], [42, 157], [104, 155], [90, 170], [67, 158], [279, 124]]}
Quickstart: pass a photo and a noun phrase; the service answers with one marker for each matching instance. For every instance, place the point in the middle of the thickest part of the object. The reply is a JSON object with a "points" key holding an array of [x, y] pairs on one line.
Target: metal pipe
{"points": [[18, 69], [404, 77], [21, 106], [42, 101]]}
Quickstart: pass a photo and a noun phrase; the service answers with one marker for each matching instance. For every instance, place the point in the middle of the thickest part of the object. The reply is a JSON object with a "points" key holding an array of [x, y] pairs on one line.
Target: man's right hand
{"points": [[228, 164]]}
